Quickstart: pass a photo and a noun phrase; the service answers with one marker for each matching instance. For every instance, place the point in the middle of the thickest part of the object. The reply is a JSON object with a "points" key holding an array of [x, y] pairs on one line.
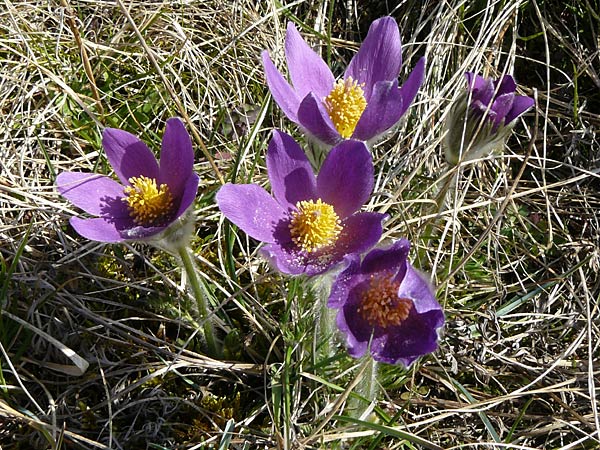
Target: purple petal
{"points": [[344, 282], [90, 192], [415, 287], [176, 157], [482, 89], [475, 82], [139, 233], [351, 321], [313, 117], [383, 111], [520, 104], [98, 229], [252, 209], [413, 83], [188, 195], [484, 110], [286, 258], [345, 180], [282, 92], [406, 342], [391, 259], [291, 175], [356, 330], [308, 71], [360, 233], [379, 57], [501, 106], [128, 156], [507, 85]]}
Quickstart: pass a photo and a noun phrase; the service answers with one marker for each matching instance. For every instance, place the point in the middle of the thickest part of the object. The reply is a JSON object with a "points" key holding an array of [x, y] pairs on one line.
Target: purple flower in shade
{"points": [[490, 109], [151, 196], [309, 223], [497, 99], [363, 105], [386, 306]]}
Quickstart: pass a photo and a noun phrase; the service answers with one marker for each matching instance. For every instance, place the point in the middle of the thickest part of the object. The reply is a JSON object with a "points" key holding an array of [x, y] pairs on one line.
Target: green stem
{"points": [[199, 295], [367, 389], [441, 201], [325, 329], [448, 188]]}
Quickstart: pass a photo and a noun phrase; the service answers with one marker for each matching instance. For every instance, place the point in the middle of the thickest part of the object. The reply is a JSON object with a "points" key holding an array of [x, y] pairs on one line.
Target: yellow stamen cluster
{"points": [[148, 204], [345, 104], [380, 304], [314, 225]]}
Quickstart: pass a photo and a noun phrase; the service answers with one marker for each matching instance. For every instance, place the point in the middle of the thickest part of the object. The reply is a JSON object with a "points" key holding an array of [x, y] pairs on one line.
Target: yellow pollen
{"points": [[380, 304], [345, 104], [148, 204], [314, 225]]}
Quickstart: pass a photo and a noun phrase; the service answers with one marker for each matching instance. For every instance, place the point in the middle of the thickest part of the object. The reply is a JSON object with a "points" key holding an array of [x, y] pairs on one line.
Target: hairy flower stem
{"points": [[446, 192], [199, 294], [325, 327], [326, 330], [367, 389], [442, 198]]}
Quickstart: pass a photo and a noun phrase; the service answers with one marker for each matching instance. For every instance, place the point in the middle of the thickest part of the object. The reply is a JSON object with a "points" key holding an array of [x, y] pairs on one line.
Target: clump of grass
{"points": [[515, 254]]}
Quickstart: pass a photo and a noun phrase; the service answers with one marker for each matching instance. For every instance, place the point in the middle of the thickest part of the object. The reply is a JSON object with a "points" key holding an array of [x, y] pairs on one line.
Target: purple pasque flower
{"points": [[496, 99], [385, 306], [310, 222], [361, 106], [482, 117], [151, 195]]}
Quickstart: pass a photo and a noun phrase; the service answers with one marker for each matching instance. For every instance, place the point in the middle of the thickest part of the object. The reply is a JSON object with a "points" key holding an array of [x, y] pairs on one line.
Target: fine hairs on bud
{"points": [[469, 135], [482, 117]]}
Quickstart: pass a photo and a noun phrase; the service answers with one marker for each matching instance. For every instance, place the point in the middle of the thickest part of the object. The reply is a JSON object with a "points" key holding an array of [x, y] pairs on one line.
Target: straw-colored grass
{"points": [[99, 344]]}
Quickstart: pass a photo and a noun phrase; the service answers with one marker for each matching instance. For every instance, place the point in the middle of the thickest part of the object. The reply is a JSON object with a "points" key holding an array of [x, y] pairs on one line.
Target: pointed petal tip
{"points": [[265, 55], [175, 121], [379, 57]]}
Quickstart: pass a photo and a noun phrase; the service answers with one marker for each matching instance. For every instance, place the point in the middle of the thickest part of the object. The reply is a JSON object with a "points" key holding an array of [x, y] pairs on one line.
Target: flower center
{"points": [[345, 104], [314, 225], [148, 204], [380, 304]]}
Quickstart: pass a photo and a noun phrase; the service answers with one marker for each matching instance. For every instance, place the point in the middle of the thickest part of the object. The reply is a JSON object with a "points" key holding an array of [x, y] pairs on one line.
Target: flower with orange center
{"points": [[310, 222], [380, 304], [386, 307], [365, 103]]}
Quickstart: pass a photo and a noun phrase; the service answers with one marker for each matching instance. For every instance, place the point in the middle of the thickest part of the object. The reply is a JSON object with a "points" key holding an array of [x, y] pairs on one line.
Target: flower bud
{"points": [[482, 118]]}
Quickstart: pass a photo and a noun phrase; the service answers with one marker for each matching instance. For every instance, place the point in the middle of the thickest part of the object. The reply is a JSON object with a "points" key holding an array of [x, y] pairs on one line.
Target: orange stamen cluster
{"points": [[380, 304]]}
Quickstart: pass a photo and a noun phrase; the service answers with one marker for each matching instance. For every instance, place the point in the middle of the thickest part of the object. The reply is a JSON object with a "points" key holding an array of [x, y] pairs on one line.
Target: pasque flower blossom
{"points": [[310, 222], [151, 195], [482, 117], [386, 307], [365, 103]]}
